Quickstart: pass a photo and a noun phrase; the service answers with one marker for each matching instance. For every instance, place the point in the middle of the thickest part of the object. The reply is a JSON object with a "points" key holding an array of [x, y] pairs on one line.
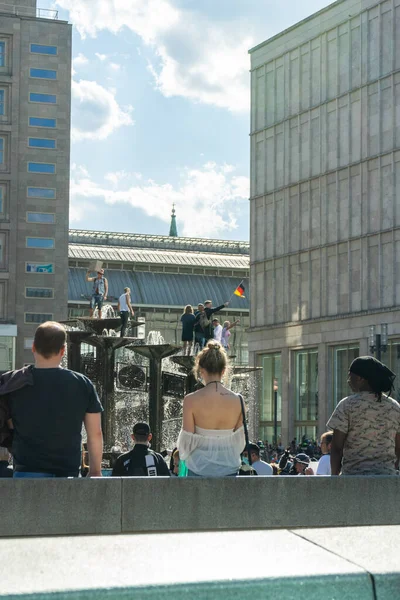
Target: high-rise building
{"points": [[35, 100], [325, 208]]}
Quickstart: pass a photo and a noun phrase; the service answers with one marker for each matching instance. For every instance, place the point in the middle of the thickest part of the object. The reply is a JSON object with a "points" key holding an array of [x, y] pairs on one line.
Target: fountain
{"points": [[155, 350]]}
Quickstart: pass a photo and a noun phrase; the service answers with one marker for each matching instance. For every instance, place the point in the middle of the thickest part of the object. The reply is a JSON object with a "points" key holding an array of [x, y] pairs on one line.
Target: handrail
{"points": [[26, 11]]}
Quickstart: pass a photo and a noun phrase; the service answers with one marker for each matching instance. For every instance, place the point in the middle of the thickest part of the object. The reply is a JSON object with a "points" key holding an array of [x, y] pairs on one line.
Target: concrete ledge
{"points": [[60, 506], [259, 502], [129, 505]]}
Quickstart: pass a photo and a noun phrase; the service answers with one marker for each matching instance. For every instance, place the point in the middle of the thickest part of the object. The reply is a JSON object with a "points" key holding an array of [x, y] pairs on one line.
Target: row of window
{"points": [[34, 49], [32, 192], [33, 98]]}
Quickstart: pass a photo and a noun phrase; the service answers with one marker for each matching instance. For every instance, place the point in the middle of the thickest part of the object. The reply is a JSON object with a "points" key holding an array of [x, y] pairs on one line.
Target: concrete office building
{"points": [[325, 210], [35, 98]]}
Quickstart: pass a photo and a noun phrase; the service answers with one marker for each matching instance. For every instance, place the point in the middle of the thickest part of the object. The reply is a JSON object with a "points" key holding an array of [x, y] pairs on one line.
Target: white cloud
{"points": [[101, 57], [95, 112], [115, 66], [208, 200], [79, 61], [194, 57]]}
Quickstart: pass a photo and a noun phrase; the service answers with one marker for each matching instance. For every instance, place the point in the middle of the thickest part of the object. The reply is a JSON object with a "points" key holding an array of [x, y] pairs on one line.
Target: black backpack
{"points": [[148, 469]]}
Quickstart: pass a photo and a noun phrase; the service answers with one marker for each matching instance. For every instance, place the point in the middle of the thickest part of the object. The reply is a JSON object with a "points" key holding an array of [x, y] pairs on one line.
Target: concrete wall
{"points": [[325, 223], [324, 210], [127, 505]]}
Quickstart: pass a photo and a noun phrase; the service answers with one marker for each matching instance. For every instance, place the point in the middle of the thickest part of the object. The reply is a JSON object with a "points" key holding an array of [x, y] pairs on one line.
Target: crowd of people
{"points": [[43, 408], [198, 327]]}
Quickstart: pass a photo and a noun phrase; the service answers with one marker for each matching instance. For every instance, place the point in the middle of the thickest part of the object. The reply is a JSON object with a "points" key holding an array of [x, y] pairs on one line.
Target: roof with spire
{"points": [[173, 231]]}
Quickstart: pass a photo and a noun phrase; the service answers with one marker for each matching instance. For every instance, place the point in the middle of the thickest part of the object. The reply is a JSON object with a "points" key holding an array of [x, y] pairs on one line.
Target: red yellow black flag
{"points": [[240, 291]]}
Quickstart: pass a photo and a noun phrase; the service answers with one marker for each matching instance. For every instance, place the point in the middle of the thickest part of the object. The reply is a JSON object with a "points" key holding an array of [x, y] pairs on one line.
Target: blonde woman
{"points": [[212, 436]]}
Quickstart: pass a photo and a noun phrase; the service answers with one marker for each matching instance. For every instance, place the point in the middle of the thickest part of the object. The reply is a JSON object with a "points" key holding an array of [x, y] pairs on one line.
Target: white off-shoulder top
{"points": [[212, 452]]}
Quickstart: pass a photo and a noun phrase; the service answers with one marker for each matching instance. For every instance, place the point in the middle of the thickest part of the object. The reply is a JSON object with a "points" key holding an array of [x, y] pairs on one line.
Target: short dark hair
{"points": [[254, 448], [50, 338]]}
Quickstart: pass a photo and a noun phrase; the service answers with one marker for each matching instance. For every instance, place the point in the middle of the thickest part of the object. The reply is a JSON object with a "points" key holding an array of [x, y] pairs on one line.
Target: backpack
{"points": [[149, 469], [204, 320]]}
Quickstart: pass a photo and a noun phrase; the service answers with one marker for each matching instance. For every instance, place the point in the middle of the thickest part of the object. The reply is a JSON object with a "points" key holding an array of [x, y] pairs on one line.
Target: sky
{"points": [[161, 111]]}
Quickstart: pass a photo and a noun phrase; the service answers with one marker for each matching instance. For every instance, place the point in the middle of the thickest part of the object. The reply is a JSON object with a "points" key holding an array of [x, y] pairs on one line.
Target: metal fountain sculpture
{"points": [[101, 334]]}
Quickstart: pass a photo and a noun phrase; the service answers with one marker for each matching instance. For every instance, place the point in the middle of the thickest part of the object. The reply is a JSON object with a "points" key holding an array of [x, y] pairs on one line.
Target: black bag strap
{"points": [[246, 432]]}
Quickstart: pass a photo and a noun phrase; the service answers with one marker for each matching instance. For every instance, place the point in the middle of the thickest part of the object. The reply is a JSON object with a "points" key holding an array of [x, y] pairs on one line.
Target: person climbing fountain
{"points": [[99, 291], [124, 308]]}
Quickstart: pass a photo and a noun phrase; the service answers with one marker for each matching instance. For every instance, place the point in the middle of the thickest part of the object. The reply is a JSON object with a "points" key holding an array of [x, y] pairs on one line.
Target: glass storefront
{"points": [[7, 351], [341, 358], [391, 358], [271, 396], [306, 393]]}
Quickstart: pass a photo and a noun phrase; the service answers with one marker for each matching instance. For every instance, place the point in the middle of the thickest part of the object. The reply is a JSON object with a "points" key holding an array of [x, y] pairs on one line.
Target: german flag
{"points": [[240, 291]]}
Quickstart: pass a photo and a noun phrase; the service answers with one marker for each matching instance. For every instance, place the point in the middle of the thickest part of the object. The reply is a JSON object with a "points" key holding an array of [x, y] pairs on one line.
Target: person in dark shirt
{"points": [[140, 461], [188, 321], [46, 415], [210, 310]]}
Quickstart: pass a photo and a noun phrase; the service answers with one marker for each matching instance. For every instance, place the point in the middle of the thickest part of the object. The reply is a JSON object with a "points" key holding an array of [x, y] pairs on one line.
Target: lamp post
{"points": [[378, 342], [276, 412]]}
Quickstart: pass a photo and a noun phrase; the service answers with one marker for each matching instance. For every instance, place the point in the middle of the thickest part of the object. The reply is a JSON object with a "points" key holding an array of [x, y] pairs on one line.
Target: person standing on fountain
{"points": [[188, 321], [99, 291], [124, 308], [45, 407], [212, 436], [205, 322]]}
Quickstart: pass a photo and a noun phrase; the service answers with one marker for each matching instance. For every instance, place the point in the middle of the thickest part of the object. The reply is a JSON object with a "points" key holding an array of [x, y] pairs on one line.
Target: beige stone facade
{"points": [[325, 209], [35, 98]]}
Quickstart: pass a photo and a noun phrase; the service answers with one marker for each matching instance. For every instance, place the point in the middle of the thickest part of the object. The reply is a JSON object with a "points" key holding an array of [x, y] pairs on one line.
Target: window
{"points": [[36, 217], [37, 292], [42, 143], [36, 192], [2, 54], [43, 74], [36, 242], [271, 396], [6, 353], [2, 103], [38, 317], [2, 145], [306, 393], [39, 268], [41, 49], [43, 98], [2, 197], [39, 122], [342, 356], [48, 168], [391, 358], [28, 343]]}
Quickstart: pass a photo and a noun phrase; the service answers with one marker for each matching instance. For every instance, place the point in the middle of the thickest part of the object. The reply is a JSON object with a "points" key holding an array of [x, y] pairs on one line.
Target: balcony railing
{"points": [[26, 11]]}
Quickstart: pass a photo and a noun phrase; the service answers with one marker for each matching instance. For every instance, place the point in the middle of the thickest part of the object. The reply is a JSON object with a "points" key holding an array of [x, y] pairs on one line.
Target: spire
{"points": [[173, 232]]}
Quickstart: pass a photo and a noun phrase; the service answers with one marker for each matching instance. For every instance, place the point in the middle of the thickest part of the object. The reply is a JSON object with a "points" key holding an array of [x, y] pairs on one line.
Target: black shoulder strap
{"points": [[246, 432]]}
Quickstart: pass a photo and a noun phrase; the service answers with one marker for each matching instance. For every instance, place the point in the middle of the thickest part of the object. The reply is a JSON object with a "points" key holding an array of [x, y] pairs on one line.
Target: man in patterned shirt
{"points": [[366, 425]]}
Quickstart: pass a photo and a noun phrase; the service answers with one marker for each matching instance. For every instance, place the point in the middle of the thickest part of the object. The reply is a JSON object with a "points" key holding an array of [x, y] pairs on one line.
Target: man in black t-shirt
{"points": [[47, 406], [140, 461]]}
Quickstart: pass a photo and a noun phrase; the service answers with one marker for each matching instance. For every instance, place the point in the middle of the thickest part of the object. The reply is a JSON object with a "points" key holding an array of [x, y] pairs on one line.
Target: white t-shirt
{"points": [[123, 305], [225, 335], [262, 468], [324, 465], [218, 333]]}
